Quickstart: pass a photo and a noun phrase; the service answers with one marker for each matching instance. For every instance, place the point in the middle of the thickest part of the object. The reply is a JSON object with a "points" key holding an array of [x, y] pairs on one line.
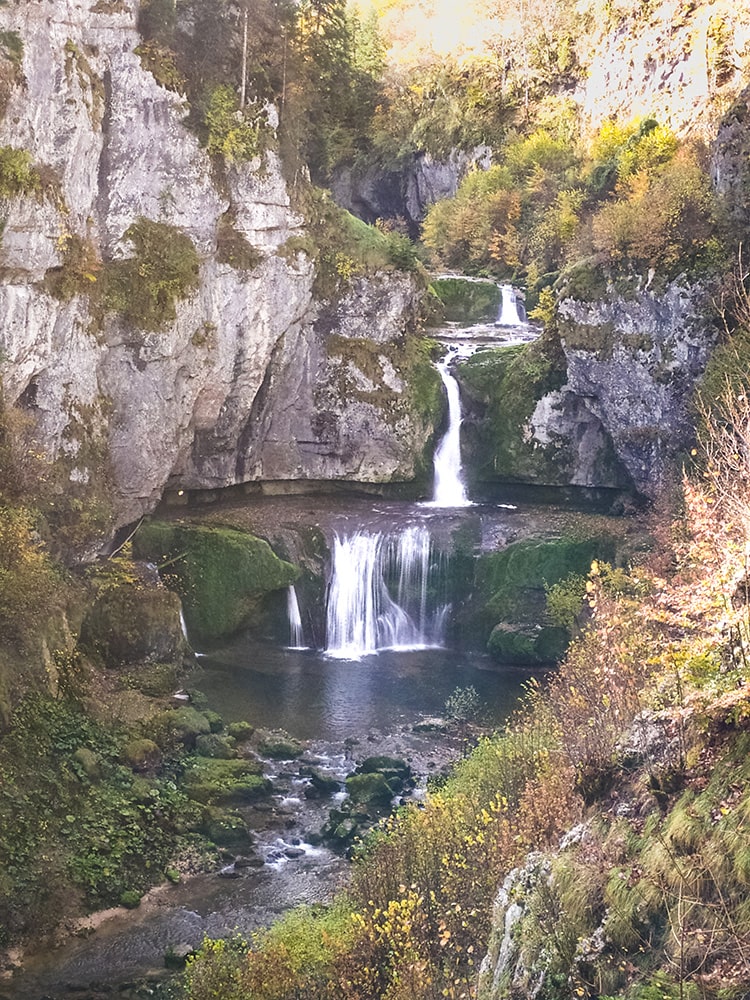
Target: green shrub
{"points": [[565, 600], [18, 175], [145, 288], [160, 62], [11, 47]]}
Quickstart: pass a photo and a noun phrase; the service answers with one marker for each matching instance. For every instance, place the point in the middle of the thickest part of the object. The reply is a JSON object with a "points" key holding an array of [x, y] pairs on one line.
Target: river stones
{"points": [[142, 755], [226, 828], [278, 745], [320, 783]]}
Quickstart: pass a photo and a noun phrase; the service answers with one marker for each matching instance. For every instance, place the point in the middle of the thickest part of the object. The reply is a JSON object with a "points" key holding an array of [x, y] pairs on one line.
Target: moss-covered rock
{"points": [[279, 745], [240, 731], [225, 828], [503, 386], [512, 582], [216, 781], [509, 645], [142, 755], [186, 723], [371, 791], [214, 745], [221, 574]]}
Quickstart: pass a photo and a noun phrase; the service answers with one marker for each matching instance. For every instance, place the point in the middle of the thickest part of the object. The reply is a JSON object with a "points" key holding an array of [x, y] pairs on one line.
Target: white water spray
{"points": [[509, 314], [378, 597], [296, 633]]}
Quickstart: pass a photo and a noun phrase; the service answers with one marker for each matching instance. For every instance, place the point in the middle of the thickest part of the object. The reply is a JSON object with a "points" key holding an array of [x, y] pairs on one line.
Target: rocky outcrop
{"points": [[633, 360], [246, 378], [609, 405]]}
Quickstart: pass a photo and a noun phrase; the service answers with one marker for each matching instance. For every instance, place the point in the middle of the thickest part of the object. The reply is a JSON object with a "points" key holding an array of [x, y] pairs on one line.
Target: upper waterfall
{"points": [[512, 312]]}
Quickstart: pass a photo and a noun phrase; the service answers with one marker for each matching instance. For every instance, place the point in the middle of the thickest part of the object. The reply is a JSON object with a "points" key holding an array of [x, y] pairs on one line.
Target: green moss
{"points": [[279, 745], [11, 47], [68, 834], [215, 781], [160, 62], [221, 574], [146, 287], [467, 301], [513, 582]]}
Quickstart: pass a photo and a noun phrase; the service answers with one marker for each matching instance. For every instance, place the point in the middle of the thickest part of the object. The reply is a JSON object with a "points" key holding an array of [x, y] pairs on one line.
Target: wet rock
{"points": [[431, 724], [230, 871], [226, 828], [320, 782], [370, 790], [279, 745], [293, 853], [186, 723], [248, 861], [177, 955], [216, 781]]}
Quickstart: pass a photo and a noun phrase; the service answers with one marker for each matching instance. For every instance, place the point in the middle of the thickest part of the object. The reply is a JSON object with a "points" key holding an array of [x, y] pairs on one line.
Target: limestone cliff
{"points": [[240, 381]]}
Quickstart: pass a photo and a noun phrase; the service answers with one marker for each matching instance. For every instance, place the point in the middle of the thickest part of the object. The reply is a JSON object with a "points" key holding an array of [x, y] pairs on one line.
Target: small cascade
{"points": [[296, 633], [379, 594], [512, 312], [450, 489]]}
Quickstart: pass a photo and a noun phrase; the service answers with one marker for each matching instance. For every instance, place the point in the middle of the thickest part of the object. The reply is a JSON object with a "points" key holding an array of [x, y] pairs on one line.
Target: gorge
{"points": [[327, 576]]}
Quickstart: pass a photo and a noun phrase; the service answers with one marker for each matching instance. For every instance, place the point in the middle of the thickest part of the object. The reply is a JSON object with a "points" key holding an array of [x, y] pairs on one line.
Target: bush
{"points": [[145, 288], [665, 221], [17, 173]]}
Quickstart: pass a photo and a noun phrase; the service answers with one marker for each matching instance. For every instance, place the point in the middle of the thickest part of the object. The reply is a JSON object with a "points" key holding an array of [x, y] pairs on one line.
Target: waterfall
{"points": [[510, 313], [449, 489], [296, 634], [378, 597]]}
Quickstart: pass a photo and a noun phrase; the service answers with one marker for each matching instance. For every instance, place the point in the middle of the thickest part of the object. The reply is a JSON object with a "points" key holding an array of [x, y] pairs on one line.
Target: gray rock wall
{"points": [[634, 361], [241, 384]]}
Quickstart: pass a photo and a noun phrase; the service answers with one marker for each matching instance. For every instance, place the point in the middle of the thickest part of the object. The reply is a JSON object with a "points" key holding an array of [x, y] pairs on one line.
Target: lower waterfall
{"points": [[381, 594], [296, 633]]}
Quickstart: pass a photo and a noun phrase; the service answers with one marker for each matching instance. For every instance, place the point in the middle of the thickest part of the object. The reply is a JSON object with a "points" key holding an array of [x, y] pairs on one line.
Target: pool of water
{"points": [[313, 696]]}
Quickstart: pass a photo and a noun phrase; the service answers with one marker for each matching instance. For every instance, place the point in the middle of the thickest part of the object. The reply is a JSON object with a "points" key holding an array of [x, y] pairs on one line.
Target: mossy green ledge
{"points": [[221, 574]]}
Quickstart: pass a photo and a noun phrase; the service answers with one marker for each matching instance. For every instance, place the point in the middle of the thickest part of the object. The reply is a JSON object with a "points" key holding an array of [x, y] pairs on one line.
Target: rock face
{"points": [[248, 379], [634, 361], [675, 62], [612, 410]]}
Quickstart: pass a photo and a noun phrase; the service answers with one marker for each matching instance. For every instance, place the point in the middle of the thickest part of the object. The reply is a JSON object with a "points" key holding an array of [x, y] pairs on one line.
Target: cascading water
{"points": [[296, 632], [450, 489], [509, 314], [378, 597]]}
